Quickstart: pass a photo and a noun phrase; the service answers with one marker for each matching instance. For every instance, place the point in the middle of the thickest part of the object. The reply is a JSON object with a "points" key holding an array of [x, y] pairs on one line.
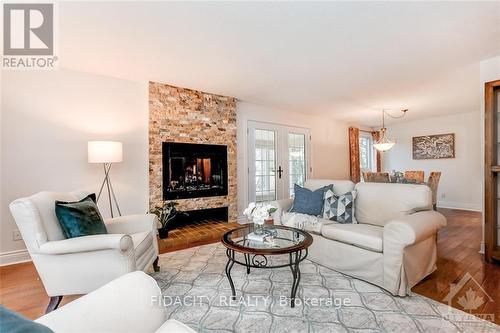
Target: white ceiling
{"points": [[342, 59]]}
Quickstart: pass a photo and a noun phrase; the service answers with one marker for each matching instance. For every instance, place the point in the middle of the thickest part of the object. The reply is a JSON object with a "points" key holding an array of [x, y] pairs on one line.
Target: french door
{"points": [[278, 159]]}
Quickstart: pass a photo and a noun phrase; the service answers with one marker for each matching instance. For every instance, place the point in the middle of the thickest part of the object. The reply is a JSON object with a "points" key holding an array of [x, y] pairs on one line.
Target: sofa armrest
{"points": [[126, 304], [88, 243], [131, 224], [398, 235], [282, 206], [173, 325], [414, 228]]}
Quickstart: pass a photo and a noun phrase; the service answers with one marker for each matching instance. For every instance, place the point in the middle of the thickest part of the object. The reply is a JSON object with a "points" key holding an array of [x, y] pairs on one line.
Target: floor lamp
{"points": [[106, 153]]}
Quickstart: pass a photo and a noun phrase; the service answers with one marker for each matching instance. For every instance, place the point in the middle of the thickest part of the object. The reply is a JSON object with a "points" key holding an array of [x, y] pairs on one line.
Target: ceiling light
{"points": [[384, 143]]}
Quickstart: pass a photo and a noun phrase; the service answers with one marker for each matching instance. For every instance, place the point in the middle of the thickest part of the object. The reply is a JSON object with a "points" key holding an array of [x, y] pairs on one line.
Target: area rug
{"points": [[197, 293]]}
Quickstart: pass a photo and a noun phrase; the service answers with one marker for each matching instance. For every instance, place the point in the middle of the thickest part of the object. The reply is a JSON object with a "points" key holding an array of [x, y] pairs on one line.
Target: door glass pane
{"points": [[265, 162], [296, 159]]}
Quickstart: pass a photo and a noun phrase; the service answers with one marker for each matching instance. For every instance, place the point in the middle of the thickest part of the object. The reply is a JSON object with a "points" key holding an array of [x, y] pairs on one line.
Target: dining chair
{"points": [[364, 174], [418, 176], [433, 183], [377, 177]]}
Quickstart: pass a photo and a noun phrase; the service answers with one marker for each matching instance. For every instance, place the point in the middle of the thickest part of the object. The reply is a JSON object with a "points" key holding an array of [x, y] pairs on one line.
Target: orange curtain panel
{"points": [[354, 154]]}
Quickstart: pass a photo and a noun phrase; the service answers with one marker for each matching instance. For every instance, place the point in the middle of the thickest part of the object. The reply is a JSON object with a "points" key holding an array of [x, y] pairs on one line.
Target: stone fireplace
{"points": [[201, 126]]}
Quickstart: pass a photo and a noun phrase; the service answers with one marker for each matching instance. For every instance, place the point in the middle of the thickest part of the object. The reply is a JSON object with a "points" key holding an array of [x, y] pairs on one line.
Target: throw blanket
{"points": [[297, 220]]}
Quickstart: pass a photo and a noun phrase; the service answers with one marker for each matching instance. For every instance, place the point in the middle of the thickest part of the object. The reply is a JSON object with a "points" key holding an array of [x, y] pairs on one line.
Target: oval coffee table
{"points": [[286, 240]]}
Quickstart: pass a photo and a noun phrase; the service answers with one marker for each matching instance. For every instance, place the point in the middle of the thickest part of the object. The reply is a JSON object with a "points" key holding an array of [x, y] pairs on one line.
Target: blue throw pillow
{"points": [[80, 218], [12, 322], [309, 202]]}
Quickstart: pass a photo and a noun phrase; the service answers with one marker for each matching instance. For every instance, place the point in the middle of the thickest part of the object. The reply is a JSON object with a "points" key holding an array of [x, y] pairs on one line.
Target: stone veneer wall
{"points": [[190, 116]]}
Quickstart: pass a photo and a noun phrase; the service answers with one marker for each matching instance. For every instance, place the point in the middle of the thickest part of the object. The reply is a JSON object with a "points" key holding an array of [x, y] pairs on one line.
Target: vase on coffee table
{"points": [[258, 226]]}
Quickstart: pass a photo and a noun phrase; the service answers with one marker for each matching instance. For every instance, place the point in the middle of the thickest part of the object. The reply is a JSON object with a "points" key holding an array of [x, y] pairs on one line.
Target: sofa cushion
{"points": [[339, 208], [312, 224], [309, 202], [365, 236], [379, 203], [339, 186]]}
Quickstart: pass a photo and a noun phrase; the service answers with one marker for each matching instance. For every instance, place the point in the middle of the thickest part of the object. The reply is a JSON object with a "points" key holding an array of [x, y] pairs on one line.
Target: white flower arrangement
{"points": [[258, 213]]}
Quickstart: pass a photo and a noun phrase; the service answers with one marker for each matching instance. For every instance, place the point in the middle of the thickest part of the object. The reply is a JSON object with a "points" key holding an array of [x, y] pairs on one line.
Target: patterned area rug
{"points": [[197, 293]]}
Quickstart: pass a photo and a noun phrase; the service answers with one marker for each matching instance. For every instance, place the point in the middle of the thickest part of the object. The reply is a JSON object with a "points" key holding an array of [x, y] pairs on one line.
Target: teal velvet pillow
{"points": [[11, 322], [80, 218]]}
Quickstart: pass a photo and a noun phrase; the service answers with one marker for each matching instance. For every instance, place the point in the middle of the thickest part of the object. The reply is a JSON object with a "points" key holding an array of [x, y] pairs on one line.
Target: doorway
{"points": [[278, 158]]}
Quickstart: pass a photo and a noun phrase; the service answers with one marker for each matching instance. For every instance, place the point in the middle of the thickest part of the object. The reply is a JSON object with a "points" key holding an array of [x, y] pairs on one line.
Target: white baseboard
{"points": [[460, 205], [14, 257], [481, 249]]}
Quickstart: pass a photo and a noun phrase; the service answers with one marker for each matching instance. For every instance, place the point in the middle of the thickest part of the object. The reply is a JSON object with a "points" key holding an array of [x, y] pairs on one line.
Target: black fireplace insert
{"points": [[193, 170]]}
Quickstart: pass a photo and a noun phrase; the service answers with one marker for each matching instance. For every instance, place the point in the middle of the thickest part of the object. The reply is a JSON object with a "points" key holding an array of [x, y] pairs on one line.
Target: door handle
{"points": [[280, 171]]}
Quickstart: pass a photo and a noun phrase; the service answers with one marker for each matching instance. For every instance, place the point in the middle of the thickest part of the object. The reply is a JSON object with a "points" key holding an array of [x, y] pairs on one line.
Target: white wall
{"points": [[47, 119], [329, 143], [461, 181]]}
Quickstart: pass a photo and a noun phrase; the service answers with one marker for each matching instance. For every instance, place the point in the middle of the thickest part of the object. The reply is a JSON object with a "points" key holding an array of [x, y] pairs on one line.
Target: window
{"points": [[366, 153], [296, 160]]}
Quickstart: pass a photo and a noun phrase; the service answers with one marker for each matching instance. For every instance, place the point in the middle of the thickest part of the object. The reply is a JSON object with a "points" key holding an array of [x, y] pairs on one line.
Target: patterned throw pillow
{"points": [[339, 208]]}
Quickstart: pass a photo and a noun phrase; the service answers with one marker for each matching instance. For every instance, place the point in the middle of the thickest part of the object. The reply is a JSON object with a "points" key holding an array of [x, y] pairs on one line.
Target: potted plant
{"points": [[166, 215], [259, 214]]}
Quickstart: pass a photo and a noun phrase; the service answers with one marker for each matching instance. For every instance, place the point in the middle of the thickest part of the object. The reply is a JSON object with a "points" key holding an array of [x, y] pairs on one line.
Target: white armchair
{"points": [[131, 303], [80, 265]]}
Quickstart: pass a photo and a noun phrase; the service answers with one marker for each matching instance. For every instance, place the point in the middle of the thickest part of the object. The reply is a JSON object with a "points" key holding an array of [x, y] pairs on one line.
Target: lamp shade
{"points": [[105, 151]]}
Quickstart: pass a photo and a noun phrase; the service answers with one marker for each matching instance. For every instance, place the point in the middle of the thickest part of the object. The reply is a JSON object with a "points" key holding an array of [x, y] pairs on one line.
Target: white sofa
{"points": [[393, 245], [127, 304], [82, 264]]}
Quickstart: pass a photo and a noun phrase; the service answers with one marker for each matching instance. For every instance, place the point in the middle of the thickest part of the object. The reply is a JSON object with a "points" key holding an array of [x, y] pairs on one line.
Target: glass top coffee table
{"points": [[282, 241]]}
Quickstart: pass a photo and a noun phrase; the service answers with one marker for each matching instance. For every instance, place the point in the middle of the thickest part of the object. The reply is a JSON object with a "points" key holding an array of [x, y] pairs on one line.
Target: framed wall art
{"points": [[433, 146]]}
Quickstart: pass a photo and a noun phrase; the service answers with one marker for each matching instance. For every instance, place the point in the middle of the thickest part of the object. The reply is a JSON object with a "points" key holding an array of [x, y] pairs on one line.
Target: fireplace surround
{"points": [[185, 116]]}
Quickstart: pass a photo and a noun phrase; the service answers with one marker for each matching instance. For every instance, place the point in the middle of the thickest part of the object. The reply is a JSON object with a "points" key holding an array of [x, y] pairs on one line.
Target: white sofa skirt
{"points": [[419, 261], [351, 260]]}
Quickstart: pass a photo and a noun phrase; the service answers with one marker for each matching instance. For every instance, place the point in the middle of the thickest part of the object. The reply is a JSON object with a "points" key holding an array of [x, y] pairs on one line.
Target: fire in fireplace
{"points": [[193, 170]]}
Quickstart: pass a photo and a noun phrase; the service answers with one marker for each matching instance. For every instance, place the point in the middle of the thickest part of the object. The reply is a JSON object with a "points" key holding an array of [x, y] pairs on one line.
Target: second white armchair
{"points": [[80, 265]]}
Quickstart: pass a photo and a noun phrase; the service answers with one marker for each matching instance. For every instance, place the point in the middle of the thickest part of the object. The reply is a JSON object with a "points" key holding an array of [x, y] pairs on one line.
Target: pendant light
{"points": [[384, 143]]}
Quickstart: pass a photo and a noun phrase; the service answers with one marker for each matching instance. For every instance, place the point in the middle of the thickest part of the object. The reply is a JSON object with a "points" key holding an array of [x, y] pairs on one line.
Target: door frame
{"points": [[281, 137]]}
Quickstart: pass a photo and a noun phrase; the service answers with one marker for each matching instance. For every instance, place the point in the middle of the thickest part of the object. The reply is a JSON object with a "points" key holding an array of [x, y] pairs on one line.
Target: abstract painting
{"points": [[434, 146]]}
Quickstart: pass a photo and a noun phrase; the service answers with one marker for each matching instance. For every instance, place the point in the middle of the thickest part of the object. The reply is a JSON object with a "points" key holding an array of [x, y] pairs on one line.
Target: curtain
{"points": [[354, 154], [378, 159]]}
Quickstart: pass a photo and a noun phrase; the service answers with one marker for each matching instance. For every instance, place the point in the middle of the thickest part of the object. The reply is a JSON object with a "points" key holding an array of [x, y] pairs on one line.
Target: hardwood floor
{"points": [[22, 291], [458, 244], [458, 257]]}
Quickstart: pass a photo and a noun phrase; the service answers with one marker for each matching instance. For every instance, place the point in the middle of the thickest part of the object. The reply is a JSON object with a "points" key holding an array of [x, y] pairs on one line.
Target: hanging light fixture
{"points": [[384, 143]]}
